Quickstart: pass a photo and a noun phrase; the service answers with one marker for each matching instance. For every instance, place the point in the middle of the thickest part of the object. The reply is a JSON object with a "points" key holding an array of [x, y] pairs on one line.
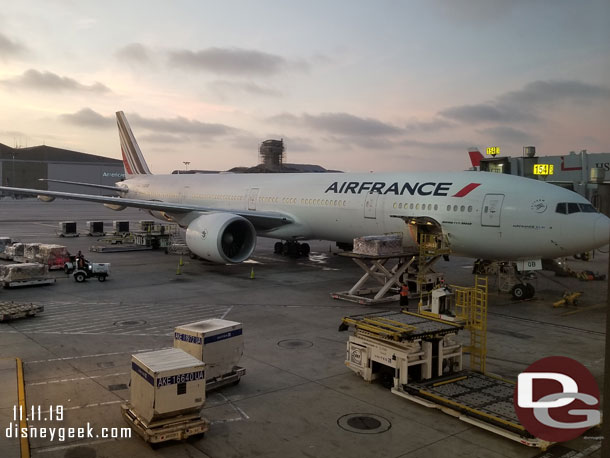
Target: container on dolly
{"points": [[167, 391], [219, 344]]}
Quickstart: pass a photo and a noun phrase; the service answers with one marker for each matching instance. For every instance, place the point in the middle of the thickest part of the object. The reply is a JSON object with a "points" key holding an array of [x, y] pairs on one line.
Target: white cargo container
{"points": [[218, 343], [166, 383]]}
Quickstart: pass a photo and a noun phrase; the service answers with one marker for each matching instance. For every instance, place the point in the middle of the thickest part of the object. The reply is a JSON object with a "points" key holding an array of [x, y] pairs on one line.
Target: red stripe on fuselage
{"points": [[467, 189]]}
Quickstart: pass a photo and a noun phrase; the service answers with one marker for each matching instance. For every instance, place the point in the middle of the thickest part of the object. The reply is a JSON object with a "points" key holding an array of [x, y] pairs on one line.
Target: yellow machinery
{"points": [[471, 309]]}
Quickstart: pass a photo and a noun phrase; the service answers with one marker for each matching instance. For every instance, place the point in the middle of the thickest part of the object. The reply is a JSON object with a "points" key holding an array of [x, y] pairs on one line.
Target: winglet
{"points": [[475, 157], [133, 160]]}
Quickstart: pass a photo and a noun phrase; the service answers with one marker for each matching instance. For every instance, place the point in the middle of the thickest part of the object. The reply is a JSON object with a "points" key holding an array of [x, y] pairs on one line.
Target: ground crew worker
{"points": [[80, 260], [404, 295]]}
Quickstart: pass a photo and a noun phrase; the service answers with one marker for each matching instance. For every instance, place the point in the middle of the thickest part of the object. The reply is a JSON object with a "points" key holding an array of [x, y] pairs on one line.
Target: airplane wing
{"points": [[260, 220], [89, 185]]}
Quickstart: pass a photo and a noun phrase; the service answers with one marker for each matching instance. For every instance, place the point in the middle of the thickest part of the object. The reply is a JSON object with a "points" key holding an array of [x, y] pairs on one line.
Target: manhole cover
{"points": [[295, 343], [129, 323], [364, 423]]}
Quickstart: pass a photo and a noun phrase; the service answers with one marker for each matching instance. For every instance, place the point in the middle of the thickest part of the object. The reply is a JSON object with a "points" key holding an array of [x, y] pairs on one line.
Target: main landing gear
{"points": [[292, 249]]}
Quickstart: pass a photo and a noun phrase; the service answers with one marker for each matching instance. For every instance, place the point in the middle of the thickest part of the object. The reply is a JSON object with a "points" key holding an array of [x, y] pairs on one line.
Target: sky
{"points": [[350, 85]]}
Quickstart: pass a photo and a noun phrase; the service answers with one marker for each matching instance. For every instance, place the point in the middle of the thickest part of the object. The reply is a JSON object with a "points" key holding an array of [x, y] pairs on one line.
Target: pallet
{"points": [[13, 310], [176, 428], [32, 282], [479, 399], [118, 248], [231, 378]]}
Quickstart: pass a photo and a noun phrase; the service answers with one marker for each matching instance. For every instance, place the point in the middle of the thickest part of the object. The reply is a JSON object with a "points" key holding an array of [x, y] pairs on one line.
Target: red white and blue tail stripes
{"points": [[133, 160]]}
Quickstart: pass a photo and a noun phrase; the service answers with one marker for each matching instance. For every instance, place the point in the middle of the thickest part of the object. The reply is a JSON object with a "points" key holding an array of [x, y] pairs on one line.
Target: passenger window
{"points": [[469, 208], [435, 207], [411, 206], [448, 208], [573, 208], [462, 208], [455, 208], [417, 207], [400, 205]]}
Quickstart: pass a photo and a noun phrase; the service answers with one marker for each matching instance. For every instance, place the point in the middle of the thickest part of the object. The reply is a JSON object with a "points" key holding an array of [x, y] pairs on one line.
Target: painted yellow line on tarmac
{"points": [[24, 442]]}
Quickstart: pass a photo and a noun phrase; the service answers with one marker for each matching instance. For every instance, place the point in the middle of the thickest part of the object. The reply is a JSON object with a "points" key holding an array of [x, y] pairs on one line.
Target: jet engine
{"points": [[115, 207], [221, 237]]}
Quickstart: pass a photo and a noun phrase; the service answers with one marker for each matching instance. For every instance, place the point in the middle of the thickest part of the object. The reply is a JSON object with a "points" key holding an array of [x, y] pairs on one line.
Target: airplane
{"points": [[480, 214]]}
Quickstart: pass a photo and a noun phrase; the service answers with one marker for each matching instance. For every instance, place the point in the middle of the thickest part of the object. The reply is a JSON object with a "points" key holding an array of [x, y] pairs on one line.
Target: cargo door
{"points": [[492, 210], [370, 205], [252, 198]]}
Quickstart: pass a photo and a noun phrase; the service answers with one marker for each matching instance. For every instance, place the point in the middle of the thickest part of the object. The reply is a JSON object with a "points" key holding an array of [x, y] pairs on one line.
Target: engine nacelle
{"points": [[115, 207], [221, 237], [46, 198]]}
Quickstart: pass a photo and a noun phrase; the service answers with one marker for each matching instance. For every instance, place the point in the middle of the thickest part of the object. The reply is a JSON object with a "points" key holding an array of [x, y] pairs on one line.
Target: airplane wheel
{"points": [[529, 290], [519, 292], [79, 277], [278, 247], [304, 249]]}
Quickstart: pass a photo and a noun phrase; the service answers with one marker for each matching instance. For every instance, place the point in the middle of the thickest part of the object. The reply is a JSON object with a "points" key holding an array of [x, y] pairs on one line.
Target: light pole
{"points": [[186, 165]]}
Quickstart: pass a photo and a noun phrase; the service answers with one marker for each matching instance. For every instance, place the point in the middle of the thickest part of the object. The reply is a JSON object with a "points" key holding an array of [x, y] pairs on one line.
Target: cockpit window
{"points": [[566, 208], [587, 208], [573, 207]]}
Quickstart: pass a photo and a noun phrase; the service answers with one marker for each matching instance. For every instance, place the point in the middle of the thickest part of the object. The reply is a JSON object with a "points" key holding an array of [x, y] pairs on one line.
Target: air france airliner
{"points": [[479, 214]]}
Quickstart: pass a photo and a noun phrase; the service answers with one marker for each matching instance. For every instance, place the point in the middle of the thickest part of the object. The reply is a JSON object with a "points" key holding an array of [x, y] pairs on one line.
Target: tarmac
{"points": [[297, 390]]}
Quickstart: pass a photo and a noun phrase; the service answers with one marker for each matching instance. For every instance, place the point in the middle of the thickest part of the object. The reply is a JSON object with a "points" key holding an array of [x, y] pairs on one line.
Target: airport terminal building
{"points": [[22, 168]]}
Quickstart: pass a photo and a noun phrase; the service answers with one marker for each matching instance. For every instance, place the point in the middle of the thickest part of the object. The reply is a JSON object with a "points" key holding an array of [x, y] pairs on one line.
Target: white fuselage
{"points": [[483, 215]]}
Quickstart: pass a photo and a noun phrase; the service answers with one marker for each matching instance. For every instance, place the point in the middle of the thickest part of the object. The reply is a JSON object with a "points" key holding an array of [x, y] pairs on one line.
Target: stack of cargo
{"points": [[30, 251], [16, 249], [378, 245], [22, 272], [53, 256], [5, 242]]}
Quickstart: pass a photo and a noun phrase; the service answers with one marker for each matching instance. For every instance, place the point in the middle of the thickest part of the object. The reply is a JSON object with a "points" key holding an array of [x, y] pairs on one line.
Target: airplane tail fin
{"points": [[475, 157], [133, 160]]}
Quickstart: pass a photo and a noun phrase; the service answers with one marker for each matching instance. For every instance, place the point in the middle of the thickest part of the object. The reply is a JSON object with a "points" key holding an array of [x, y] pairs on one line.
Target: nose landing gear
{"points": [[522, 291]]}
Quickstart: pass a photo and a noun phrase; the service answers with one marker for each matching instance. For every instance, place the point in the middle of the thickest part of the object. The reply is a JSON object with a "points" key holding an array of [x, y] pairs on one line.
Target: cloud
{"points": [[10, 48], [180, 125], [86, 117], [508, 134], [134, 53], [164, 138], [428, 126], [226, 88], [347, 124], [339, 124], [164, 130], [231, 61], [47, 81], [541, 93], [474, 11], [525, 104], [485, 112]]}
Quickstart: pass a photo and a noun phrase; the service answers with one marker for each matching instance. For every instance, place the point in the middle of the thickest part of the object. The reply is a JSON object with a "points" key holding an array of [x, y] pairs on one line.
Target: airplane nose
{"points": [[602, 231]]}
